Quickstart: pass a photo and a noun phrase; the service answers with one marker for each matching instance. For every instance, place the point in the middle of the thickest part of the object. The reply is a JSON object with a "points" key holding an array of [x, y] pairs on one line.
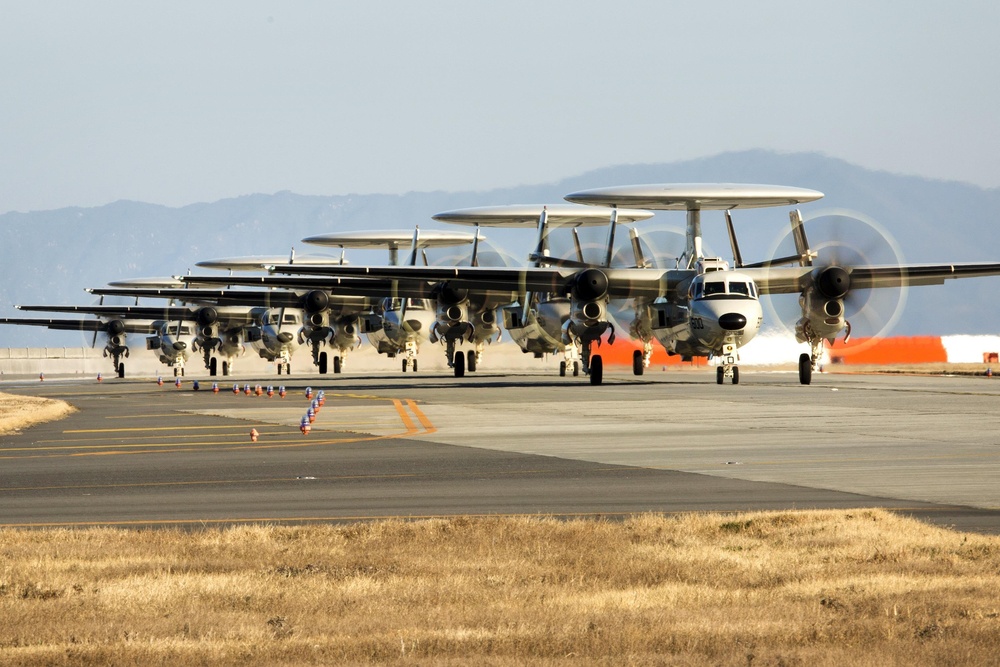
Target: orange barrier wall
{"points": [[897, 350]]}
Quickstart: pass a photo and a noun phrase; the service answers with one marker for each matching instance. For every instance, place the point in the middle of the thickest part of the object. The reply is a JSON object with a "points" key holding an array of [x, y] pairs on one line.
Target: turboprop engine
{"points": [[823, 313], [589, 313]]}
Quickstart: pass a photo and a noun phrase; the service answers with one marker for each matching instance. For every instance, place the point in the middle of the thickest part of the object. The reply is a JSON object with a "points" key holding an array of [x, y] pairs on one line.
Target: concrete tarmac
{"points": [[428, 444]]}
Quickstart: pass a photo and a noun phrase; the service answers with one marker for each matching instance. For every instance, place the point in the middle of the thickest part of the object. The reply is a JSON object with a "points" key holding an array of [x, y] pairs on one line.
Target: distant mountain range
{"points": [[50, 256]]}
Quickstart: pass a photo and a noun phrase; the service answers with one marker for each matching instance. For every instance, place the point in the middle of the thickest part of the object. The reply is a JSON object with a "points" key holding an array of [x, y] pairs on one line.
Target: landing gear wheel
{"points": [[736, 374], [805, 369], [562, 369], [471, 365], [175, 371], [279, 368], [121, 369], [225, 368], [637, 366], [336, 364], [720, 375], [576, 368], [213, 367], [596, 369], [406, 362], [323, 363], [414, 365], [459, 364]]}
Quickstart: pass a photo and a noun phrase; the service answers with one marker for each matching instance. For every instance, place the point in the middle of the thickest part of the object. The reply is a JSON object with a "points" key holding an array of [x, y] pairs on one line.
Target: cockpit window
{"points": [[739, 288], [714, 287]]}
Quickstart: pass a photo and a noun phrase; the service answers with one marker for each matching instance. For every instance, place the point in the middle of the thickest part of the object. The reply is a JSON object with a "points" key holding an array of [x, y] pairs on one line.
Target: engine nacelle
{"points": [[345, 333], [822, 316]]}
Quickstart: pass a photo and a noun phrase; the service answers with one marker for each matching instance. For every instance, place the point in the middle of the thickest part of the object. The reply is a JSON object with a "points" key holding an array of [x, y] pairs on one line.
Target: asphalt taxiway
{"points": [[391, 445]]}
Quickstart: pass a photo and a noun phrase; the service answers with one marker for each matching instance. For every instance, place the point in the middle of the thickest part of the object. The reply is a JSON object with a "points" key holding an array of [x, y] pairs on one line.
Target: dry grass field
{"points": [[790, 588], [20, 412]]}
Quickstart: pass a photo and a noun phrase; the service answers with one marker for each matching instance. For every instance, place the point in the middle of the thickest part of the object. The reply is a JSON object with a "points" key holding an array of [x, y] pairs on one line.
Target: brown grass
{"points": [[20, 412], [791, 588]]}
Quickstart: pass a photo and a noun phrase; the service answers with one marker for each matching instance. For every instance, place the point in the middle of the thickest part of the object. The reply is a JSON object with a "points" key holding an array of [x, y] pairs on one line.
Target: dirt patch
{"points": [[20, 412]]}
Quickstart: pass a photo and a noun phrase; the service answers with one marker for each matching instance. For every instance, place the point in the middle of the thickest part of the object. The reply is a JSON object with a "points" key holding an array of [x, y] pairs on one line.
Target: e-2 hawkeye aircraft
{"points": [[172, 343], [335, 311], [701, 307]]}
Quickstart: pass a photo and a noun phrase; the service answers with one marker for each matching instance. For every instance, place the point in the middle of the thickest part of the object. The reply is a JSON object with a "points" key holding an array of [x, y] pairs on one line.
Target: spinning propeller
{"points": [[839, 240]]}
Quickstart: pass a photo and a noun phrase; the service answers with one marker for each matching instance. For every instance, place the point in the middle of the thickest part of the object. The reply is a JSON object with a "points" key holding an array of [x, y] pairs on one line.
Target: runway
{"points": [[393, 445]]}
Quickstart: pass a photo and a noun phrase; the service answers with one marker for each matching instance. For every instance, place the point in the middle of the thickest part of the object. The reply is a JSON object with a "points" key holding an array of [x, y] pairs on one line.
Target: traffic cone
{"points": [[177, 383], [99, 378], [215, 387], [270, 391], [309, 393], [159, 381], [281, 391]]}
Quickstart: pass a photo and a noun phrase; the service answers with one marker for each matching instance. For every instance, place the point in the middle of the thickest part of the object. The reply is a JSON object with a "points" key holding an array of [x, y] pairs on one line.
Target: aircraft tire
{"points": [[720, 375], [736, 374], [405, 364], [471, 365], [225, 368], [337, 364], [562, 369], [323, 360], [213, 367], [459, 364], [414, 365], [637, 367], [576, 368], [805, 369], [175, 371], [121, 369], [596, 369]]}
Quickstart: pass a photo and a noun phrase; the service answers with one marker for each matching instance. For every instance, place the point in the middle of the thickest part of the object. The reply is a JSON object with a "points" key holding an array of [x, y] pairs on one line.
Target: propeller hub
{"points": [[116, 327], [590, 285], [450, 295], [833, 282], [317, 301], [207, 316]]}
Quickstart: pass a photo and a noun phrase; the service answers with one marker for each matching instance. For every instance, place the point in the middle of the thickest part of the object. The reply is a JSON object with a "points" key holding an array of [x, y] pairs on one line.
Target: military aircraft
{"points": [[702, 307], [172, 343], [708, 309], [218, 331], [335, 311], [537, 320]]}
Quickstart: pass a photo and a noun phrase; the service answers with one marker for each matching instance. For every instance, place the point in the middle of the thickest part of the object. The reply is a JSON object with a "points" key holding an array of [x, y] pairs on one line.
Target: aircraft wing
{"points": [[790, 280], [136, 312], [621, 283], [230, 315], [130, 326], [281, 298], [337, 286]]}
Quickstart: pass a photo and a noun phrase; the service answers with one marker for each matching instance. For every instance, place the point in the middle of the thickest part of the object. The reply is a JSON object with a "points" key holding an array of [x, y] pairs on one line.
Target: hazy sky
{"points": [[178, 102]]}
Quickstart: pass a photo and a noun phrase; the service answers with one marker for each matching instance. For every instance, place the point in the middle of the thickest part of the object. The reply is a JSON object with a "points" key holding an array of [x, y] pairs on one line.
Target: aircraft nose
{"points": [[732, 321]]}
